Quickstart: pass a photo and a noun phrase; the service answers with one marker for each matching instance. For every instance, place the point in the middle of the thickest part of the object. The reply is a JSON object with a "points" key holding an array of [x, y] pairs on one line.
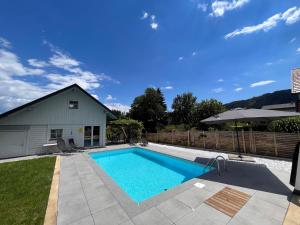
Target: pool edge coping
{"points": [[132, 208]]}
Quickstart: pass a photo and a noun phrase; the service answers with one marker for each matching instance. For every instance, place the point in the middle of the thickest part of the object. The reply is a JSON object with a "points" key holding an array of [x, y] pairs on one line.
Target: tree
{"points": [[119, 114], [183, 107], [126, 129], [149, 108], [205, 109]]}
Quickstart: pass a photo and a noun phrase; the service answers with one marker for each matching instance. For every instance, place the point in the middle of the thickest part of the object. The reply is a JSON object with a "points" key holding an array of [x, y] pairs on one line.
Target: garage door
{"points": [[12, 143]]}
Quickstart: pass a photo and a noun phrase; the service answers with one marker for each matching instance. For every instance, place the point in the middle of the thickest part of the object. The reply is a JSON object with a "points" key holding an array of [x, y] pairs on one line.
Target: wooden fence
{"points": [[254, 142]]}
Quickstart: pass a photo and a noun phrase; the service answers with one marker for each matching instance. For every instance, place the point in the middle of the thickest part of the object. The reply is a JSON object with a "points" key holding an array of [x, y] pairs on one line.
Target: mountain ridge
{"points": [[276, 97]]}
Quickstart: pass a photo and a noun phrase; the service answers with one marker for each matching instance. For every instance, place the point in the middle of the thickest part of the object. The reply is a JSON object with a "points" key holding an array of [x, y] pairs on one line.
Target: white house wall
{"points": [[55, 110], [54, 113]]}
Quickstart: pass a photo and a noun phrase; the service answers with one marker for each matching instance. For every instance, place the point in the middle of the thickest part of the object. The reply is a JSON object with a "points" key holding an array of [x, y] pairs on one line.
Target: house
{"points": [[67, 113], [289, 107]]}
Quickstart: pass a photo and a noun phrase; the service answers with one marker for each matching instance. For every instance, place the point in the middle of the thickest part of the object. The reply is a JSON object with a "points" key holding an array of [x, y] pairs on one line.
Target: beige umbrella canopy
{"points": [[247, 115]]}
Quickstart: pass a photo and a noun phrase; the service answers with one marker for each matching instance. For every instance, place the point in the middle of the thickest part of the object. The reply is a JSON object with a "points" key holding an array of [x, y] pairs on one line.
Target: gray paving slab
{"points": [[72, 211], [277, 199], [194, 197], [262, 208], [128, 222], [174, 209], [112, 215], [151, 217], [87, 196], [101, 201], [254, 219], [204, 215], [84, 221]]}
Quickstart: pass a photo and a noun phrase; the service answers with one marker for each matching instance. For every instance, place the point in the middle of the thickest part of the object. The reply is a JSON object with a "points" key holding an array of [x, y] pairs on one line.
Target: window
{"points": [[56, 133], [73, 104]]}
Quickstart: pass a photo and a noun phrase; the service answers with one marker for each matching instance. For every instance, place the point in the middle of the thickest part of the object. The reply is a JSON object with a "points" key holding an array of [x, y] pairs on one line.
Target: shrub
{"points": [[124, 129], [288, 125]]}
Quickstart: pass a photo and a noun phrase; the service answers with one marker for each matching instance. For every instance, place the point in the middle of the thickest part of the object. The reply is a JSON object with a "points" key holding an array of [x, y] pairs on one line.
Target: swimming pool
{"points": [[143, 174]]}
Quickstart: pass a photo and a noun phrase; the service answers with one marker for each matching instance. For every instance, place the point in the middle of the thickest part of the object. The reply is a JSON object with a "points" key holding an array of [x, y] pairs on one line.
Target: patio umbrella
{"points": [[247, 115]]}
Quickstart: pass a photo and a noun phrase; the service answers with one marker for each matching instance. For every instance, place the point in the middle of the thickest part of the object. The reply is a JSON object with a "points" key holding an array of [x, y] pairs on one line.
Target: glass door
{"points": [[87, 136], [96, 136]]}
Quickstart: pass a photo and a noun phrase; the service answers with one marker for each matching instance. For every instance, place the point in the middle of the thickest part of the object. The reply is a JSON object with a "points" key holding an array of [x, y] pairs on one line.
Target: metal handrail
{"points": [[212, 161]]}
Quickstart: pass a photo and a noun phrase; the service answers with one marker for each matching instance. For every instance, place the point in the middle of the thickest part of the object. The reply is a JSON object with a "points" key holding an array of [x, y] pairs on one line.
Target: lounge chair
{"points": [[73, 145], [132, 141], [144, 142], [61, 145]]}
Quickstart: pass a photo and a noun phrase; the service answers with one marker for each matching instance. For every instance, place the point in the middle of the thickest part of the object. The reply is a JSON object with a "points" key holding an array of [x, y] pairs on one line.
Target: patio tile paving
{"points": [[87, 197], [112, 215], [128, 222], [72, 210], [205, 215], [174, 209], [151, 217], [84, 221], [193, 197]]}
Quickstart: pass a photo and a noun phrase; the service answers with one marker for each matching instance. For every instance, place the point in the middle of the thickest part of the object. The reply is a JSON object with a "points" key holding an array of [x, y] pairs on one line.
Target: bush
{"points": [[125, 129], [288, 125]]}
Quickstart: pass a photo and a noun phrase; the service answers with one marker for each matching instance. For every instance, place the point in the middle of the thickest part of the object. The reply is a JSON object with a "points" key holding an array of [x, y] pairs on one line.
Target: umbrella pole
{"points": [[238, 141]]}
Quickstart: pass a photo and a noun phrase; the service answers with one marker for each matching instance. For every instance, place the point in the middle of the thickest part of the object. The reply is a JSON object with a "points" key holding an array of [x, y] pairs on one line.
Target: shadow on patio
{"points": [[247, 175]]}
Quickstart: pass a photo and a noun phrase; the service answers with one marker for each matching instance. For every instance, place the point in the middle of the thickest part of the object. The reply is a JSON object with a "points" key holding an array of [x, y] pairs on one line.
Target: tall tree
{"points": [[205, 109], [183, 106], [149, 108]]}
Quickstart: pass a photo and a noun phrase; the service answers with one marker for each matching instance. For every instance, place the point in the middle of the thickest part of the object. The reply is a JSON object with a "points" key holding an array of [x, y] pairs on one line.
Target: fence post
{"points": [[244, 144], [233, 145], [172, 137], [157, 136], [275, 144], [188, 137], [216, 140], [254, 142], [203, 136]]}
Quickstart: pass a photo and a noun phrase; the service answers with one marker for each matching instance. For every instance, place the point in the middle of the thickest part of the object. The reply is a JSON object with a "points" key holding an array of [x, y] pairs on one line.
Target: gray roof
{"points": [[280, 106], [248, 115]]}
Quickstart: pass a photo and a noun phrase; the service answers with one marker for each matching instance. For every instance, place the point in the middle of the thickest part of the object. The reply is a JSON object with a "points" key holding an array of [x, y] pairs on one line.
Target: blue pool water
{"points": [[143, 174]]}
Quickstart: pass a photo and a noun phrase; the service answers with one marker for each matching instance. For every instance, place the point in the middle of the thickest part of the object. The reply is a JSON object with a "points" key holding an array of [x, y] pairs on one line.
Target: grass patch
{"points": [[24, 190]]}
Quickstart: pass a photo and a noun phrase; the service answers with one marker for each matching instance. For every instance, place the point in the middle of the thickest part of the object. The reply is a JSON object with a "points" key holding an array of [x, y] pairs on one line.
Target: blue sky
{"points": [[228, 50]]}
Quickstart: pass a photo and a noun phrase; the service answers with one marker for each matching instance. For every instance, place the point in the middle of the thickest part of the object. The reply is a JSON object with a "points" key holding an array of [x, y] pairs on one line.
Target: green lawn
{"points": [[24, 190]]}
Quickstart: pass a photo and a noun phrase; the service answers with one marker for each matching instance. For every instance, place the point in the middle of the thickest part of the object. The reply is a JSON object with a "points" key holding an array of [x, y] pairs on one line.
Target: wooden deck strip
{"points": [[293, 213], [228, 201], [51, 212]]}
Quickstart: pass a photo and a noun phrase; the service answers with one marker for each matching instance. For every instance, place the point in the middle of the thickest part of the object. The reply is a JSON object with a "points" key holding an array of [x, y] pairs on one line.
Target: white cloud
{"points": [[10, 65], [110, 98], [4, 43], [218, 90], [262, 83], [15, 89], [167, 88], [293, 40], [290, 16], [180, 58], [118, 106], [220, 7], [194, 53], [220, 80], [298, 50], [202, 6], [238, 89], [63, 61], [95, 96], [145, 15], [37, 63], [154, 25], [152, 18]]}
